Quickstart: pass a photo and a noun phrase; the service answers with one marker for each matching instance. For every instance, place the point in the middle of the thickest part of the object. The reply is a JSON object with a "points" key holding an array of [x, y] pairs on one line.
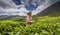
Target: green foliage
{"points": [[43, 25]]}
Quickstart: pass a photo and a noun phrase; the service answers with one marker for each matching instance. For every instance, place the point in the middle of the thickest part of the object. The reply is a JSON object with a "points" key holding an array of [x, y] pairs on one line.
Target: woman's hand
{"points": [[32, 21]]}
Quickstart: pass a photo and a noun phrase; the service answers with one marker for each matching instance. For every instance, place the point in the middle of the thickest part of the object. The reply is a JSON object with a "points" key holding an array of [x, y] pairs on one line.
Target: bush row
{"points": [[19, 28]]}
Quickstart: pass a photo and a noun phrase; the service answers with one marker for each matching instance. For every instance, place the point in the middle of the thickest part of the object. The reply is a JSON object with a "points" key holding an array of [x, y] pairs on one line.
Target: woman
{"points": [[29, 18]]}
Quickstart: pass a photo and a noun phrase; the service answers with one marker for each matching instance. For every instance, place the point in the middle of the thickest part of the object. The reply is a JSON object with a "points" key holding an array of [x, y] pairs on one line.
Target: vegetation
{"points": [[43, 25]]}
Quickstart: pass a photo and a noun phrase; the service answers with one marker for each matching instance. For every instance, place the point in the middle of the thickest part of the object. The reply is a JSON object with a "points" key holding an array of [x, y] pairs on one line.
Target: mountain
{"points": [[55, 8], [52, 11]]}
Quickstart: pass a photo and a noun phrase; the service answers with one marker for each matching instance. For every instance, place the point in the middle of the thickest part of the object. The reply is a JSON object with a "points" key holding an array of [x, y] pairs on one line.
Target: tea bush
{"points": [[44, 26]]}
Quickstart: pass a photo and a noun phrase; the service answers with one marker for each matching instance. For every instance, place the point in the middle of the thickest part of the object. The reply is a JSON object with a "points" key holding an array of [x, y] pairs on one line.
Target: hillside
{"points": [[55, 8], [46, 23]]}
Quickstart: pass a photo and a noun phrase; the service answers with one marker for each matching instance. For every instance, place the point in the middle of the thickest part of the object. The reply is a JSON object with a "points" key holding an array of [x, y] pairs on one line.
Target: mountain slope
{"points": [[55, 8]]}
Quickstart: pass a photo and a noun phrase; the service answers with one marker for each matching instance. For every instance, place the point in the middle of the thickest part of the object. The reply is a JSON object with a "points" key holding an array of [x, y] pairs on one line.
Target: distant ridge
{"points": [[50, 9]]}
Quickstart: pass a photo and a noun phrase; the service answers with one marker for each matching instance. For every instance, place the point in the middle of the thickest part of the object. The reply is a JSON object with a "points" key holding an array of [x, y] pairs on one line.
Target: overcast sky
{"points": [[21, 7]]}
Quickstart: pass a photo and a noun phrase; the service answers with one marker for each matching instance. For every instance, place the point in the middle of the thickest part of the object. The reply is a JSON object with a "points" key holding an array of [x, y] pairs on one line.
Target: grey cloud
{"points": [[42, 4]]}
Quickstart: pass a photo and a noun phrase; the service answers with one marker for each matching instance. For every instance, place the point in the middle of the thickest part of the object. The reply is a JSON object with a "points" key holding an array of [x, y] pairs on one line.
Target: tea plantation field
{"points": [[43, 25]]}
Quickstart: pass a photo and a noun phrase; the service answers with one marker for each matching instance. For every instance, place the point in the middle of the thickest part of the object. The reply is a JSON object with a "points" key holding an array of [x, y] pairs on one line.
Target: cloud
{"points": [[8, 7], [7, 3]]}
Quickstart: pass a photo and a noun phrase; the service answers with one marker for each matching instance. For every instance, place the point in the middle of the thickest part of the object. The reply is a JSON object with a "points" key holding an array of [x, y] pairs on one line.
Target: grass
{"points": [[43, 25]]}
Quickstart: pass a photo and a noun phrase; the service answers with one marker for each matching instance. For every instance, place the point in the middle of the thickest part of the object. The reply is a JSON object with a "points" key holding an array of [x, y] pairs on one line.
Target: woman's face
{"points": [[29, 13]]}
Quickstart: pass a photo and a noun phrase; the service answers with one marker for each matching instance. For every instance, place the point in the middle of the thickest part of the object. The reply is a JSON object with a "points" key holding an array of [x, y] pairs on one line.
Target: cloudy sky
{"points": [[21, 7]]}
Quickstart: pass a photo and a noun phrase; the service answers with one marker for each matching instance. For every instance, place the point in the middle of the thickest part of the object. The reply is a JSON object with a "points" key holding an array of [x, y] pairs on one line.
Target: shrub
{"points": [[38, 28]]}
